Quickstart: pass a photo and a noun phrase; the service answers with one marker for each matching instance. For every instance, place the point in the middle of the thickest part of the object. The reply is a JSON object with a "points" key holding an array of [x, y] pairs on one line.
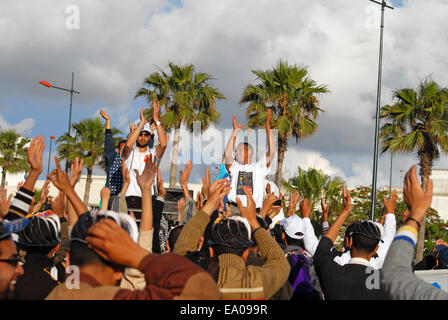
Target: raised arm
{"points": [[333, 231], [271, 143], [60, 180], [231, 143], [275, 271], [183, 178], [145, 181], [160, 150], [397, 277], [309, 238], [133, 137], [23, 199]]}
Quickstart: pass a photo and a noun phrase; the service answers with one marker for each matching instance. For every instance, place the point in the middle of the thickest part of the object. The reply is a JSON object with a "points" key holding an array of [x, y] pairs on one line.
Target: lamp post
{"points": [[49, 155], [49, 85], [378, 103]]}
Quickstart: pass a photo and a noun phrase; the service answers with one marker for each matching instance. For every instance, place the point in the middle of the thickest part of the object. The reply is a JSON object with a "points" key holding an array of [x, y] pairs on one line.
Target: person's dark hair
{"points": [[348, 235], [230, 236], [366, 236], [276, 232], [221, 249], [173, 235], [294, 242], [120, 142], [81, 255], [42, 251]]}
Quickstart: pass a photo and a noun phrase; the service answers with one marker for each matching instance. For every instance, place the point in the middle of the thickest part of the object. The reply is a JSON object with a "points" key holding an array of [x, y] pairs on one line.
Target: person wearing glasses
{"points": [[139, 147], [10, 268]]}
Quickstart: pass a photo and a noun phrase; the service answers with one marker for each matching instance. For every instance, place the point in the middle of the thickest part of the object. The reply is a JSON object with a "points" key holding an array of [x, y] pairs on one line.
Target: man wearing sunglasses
{"points": [[136, 152], [10, 268]]}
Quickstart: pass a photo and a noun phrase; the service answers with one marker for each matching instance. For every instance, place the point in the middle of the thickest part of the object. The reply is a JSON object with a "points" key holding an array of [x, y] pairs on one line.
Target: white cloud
{"points": [[23, 126], [119, 43]]}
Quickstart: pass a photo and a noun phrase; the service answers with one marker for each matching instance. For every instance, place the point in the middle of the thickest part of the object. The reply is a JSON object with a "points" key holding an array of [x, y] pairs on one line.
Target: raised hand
{"points": [[199, 201], [249, 212], [390, 205], [305, 207], [180, 206], [132, 127], [184, 176], [75, 171], [5, 202], [206, 183], [160, 187], [104, 115], [346, 201], [34, 153], [105, 193], [293, 201], [268, 203], [417, 200], [236, 127], [113, 244], [325, 209], [58, 205], [45, 191], [218, 188], [146, 179], [142, 118], [156, 110], [59, 178]]}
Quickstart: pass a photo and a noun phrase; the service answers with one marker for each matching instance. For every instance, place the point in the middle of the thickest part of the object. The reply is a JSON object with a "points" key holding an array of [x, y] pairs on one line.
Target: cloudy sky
{"points": [[118, 43]]}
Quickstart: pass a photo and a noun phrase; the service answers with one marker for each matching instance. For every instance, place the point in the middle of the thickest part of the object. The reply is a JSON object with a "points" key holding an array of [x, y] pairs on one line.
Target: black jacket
{"points": [[37, 282]]}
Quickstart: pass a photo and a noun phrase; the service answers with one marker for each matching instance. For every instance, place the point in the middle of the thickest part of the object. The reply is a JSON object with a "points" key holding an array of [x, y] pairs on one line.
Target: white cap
{"points": [[293, 226], [147, 127]]}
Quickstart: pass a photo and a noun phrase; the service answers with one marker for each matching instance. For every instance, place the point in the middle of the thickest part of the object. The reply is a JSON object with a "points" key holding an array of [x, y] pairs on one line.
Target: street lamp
{"points": [[49, 155], [49, 85], [378, 102]]}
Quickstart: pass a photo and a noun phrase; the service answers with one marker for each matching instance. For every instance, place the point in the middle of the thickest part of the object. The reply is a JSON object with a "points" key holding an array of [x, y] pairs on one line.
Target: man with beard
{"points": [[139, 147], [10, 268]]}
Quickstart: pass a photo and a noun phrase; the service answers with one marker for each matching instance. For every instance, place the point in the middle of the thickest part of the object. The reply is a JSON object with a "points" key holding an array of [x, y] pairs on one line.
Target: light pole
{"points": [[49, 155], [49, 85], [378, 103]]}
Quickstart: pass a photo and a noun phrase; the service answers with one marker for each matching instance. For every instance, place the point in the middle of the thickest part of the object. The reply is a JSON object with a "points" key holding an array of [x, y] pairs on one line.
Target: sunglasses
{"points": [[145, 134], [14, 261]]}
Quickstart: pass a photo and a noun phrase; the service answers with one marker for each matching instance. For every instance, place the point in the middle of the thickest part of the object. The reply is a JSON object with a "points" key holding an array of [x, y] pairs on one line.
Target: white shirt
{"points": [[252, 175], [390, 226], [136, 160]]}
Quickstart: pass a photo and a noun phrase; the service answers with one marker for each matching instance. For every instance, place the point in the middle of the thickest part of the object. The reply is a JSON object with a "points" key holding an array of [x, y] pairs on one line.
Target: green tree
{"points": [[417, 121], [13, 158], [87, 143], [361, 198], [185, 96], [291, 94]]}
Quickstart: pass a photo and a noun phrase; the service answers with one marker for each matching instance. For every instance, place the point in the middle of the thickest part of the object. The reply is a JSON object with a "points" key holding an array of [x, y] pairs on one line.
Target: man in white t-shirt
{"points": [[136, 155], [245, 173]]}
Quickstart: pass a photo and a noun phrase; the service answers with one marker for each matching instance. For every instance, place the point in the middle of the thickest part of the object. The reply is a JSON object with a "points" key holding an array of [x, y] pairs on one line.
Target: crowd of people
{"points": [[239, 239]]}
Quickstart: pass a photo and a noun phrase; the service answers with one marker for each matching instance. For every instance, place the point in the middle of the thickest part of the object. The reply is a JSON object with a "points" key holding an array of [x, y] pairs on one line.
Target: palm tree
{"points": [[13, 158], [417, 121], [291, 94], [185, 96], [87, 143], [314, 184]]}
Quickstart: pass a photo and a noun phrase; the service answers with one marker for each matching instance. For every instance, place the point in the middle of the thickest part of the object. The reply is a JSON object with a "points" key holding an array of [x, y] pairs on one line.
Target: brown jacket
{"points": [[168, 276], [236, 280]]}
